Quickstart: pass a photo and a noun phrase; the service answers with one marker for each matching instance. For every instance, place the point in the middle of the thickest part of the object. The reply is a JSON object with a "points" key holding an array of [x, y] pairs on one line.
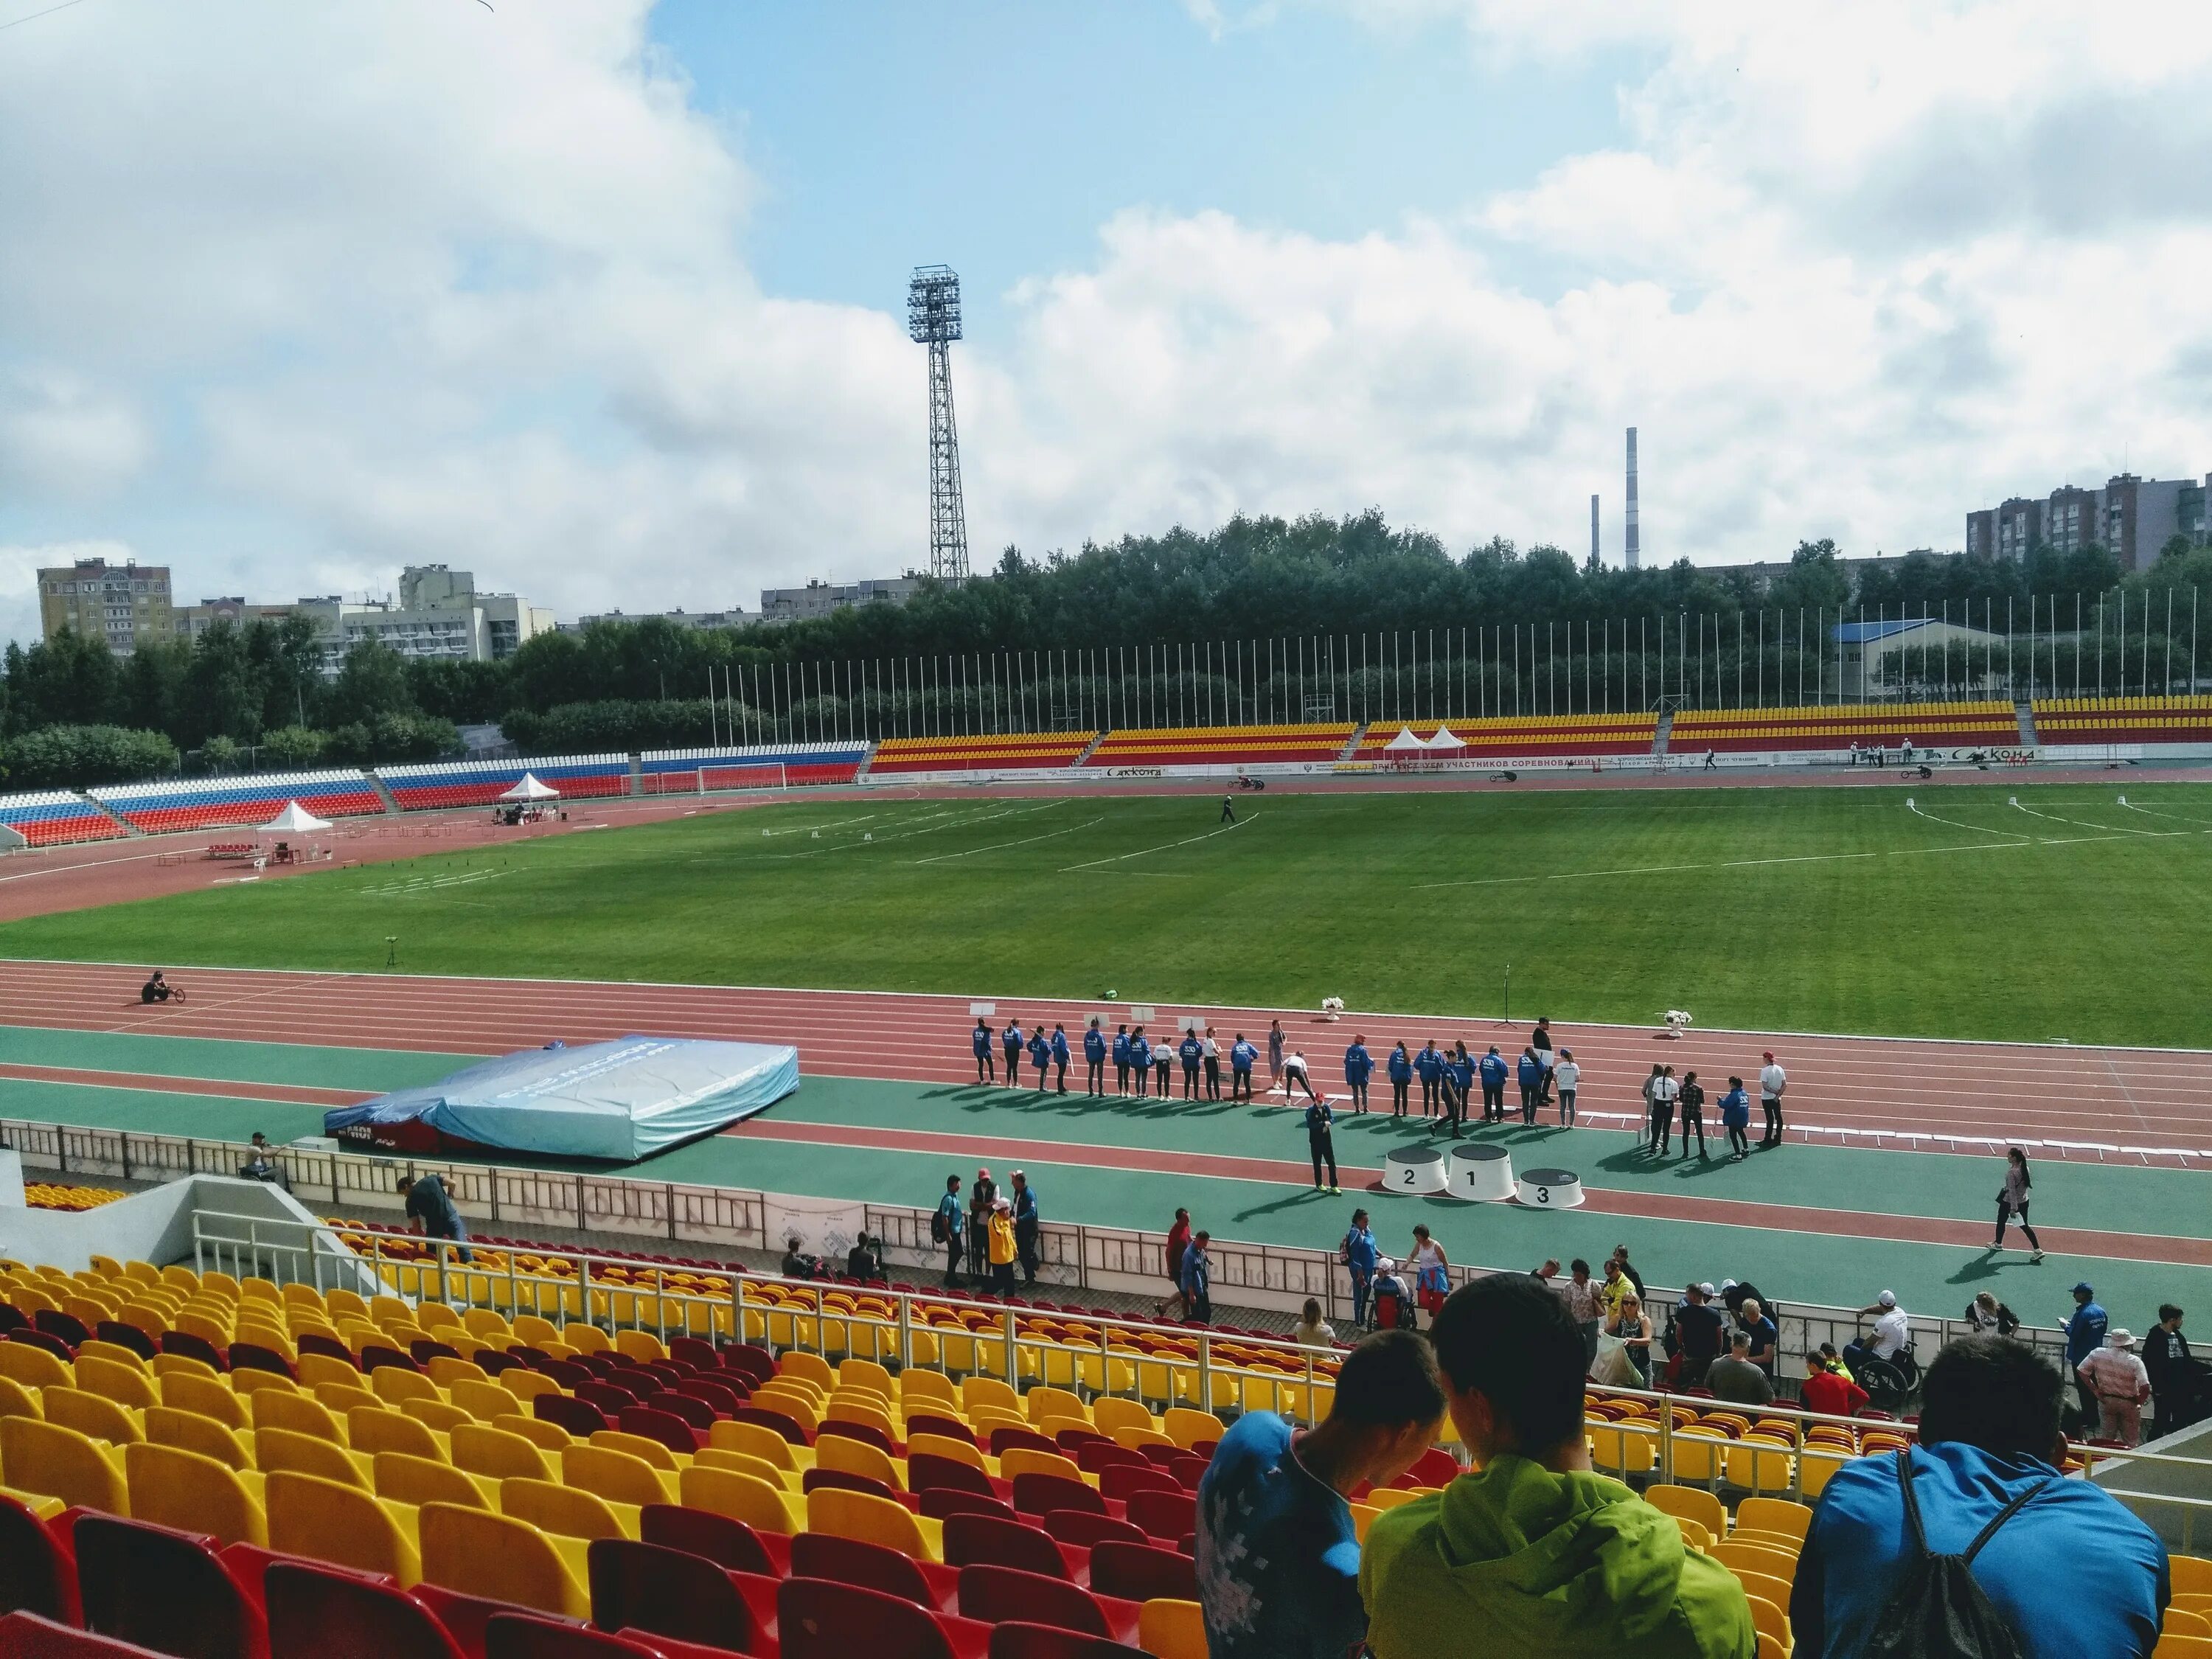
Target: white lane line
{"points": [[997, 846], [838, 823], [1979, 829], [1165, 847], [2084, 823]]}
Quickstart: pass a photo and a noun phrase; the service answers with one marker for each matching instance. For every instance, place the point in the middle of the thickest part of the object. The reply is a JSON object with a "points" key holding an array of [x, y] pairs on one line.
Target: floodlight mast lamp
{"points": [[933, 319]]}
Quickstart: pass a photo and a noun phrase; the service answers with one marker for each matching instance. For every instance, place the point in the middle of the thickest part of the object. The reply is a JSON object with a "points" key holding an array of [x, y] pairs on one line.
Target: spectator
{"points": [[794, 1265], [1400, 1067], [1121, 1059], [947, 1226], [861, 1262], [1772, 1081], [1697, 1328], [1568, 1077], [1278, 1559], [1094, 1058], [1734, 1378], [1058, 1059], [1358, 1253], [981, 1197], [1534, 1553], [1633, 1326], [2121, 1383], [1428, 1064], [2085, 1335], [1828, 1389], [1198, 1279], [1751, 1319], [1986, 1313], [1240, 1056], [261, 1163], [1628, 1271], [1359, 1067], [432, 1213], [1893, 1333], [1000, 1244], [1431, 1272], [1140, 1061], [1313, 1331], [1025, 1229], [1178, 1242], [2173, 1372], [1494, 1072], [1390, 1303], [980, 1038], [2072, 1572], [1615, 1287], [1529, 1073], [1585, 1298]]}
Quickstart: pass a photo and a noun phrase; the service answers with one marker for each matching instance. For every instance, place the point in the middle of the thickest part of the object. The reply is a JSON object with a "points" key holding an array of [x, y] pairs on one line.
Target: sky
{"points": [[604, 299]]}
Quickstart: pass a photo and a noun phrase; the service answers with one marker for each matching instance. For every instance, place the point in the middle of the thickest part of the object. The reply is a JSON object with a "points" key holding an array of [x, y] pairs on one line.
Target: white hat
{"points": [[1886, 1299], [1384, 1265], [1707, 1289], [2119, 1339], [1002, 1203], [1728, 1284]]}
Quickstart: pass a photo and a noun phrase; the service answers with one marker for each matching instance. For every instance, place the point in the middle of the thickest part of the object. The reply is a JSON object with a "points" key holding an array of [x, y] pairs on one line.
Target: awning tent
{"points": [[1404, 743], [530, 789], [294, 820], [1444, 739]]}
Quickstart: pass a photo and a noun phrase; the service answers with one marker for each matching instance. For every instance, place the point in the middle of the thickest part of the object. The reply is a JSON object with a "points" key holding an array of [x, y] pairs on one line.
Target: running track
{"points": [[2143, 1105]]}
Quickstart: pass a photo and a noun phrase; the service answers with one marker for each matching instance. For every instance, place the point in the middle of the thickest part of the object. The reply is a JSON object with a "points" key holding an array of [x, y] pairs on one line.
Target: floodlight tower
{"points": [[933, 319]]}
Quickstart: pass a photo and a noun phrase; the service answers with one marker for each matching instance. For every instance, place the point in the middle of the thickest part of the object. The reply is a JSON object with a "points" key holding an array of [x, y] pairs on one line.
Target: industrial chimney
{"points": [[1635, 549], [1593, 552]]}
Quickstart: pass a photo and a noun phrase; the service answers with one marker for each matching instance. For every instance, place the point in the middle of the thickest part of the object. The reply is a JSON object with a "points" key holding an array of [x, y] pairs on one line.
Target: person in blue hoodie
{"points": [[1191, 1050], [1430, 1065], [1735, 1118], [1041, 1057], [1011, 1040], [1494, 1070], [1359, 1254], [1140, 1061], [1094, 1059], [1463, 1074], [1322, 1143], [1241, 1055], [1060, 1054], [1400, 1067], [2085, 1335], [985, 1071], [1530, 1076], [1121, 1059], [1359, 1067]]}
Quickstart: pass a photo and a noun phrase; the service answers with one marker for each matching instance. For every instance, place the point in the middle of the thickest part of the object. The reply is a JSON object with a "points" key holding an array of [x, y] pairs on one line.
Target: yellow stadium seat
{"points": [[865, 1374], [857, 1457], [1689, 1503], [746, 1498], [275, 1409], [1169, 1629], [1027, 1460], [497, 1454], [306, 1454], [567, 1511], [258, 1382], [643, 1344], [34, 1367], [166, 1426], [2192, 1575], [92, 1414], [16, 1400], [316, 1369], [59, 1463], [1188, 1428], [481, 1401], [738, 1463], [1752, 1559], [501, 1558], [526, 1386], [393, 1385], [1758, 1586], [547, 1437], [1111, 1414], [418, 1480], [873, 1520], [114, 1354], [435, 1414], [445, 1370], [1775, 1515], [648, 1451], [369, 1430], [2179, 1621], [344, 1524], [765, 1444], [174, 1487], [204, 1395], [615, 1475], [920, 1390], [1757, 1466]]}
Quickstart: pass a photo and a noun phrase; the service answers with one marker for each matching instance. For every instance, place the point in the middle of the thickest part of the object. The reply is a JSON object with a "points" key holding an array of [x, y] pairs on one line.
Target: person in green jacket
{"points": [[1533, 1554]]}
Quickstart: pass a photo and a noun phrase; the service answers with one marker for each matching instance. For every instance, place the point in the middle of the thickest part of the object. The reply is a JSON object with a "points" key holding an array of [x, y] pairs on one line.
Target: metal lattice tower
{"points": [[932, 318]]}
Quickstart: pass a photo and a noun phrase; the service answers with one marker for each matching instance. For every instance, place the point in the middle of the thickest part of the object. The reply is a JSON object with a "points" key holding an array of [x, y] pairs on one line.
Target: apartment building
{"points": [[121, 605]]}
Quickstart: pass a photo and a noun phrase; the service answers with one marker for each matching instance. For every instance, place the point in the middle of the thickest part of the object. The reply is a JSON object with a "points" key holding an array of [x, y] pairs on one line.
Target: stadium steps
{"points": [[1666, 730], [2025, 712], [1090, 748], [1351, 743], [384, 794], [868, 760]]}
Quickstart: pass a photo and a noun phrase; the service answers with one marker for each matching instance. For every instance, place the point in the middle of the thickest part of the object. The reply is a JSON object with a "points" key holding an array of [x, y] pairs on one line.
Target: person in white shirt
{"points": [[1663, 1091], [1893, 1330], [1772, 1081], [2121, 1383], [1568, 1077], [1294, 1071]]}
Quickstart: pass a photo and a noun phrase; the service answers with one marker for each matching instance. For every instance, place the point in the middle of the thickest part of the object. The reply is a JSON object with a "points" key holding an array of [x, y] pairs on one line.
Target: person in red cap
{"points": [[1772, 1081]]}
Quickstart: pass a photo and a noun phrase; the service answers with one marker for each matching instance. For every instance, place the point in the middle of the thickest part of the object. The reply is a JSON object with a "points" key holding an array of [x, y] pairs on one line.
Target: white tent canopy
{"points": [[1444, 739], [294, 820], [531, 789], [1403, 742]]}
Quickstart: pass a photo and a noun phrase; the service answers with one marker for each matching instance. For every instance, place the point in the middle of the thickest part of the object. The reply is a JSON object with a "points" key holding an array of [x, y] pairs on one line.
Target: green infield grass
{"points": [[2065, 915]]}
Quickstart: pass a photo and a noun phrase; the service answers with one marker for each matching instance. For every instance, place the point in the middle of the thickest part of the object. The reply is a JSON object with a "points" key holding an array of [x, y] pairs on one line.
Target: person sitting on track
{"points": [[1294, 1071], [158, 989]]}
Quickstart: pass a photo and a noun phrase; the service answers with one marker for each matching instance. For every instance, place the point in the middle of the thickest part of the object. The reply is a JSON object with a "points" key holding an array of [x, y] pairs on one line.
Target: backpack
{"points": [[1938, 1610], [940, 1230]]}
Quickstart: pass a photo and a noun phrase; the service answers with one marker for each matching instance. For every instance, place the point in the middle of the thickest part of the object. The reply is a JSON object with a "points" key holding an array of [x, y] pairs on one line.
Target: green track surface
{"points": [[1835, 909], [1793, 1265]]}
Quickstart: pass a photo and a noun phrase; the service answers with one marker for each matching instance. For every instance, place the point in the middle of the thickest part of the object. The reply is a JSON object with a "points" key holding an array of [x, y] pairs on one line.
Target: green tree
{"points": [[372, 681]]}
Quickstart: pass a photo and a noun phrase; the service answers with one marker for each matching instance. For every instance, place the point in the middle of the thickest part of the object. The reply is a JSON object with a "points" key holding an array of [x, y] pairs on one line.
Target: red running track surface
{"points": [[2143, 1105]]}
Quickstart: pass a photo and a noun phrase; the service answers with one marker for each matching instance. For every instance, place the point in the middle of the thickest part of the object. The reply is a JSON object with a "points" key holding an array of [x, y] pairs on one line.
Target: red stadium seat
{"points": [[992, 1594], [534, 1636], [668, 1592], [1086, 1529], [315, 1612], [1140, 1573], [818, 1619], [164, 1589], [28, 1636], [38, 1572], [874, 1567], [1036, 1494], [1016, 1640], [982, 1540], [1167, 1514], [729, 1544]]}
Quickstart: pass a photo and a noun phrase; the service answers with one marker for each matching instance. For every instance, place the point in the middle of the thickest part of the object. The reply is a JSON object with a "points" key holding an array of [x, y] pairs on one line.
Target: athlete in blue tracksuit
{"points": [[1494, 1072], [1040, 1055], [1011, 1039], [1401, 1076], [1094, 1059], [1531, 1079], [1240, 1056], [1122, 1061], [1359, 1067], [1141, 1060], [1322, 1144], [1359, 1256], [985, 1071], [1462, 1084], [1430, 1065], [1059, 1056], [1192, 1051]]}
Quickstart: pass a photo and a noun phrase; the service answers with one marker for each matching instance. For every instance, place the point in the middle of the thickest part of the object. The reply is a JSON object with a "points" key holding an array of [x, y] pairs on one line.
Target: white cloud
{"points": [[57, 433]]}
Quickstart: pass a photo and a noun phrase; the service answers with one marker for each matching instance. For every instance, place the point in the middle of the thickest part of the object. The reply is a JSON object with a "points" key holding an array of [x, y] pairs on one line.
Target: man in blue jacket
{"points": [[1493, 1086], [1121, 1059], [948, 1226], [1359, 1256], [1322, 1143], [1140, 1061], [1196, 1278], [2085, 1335], [1040, 1055], [1026, 1220], [1359, 1067], [1531, 1079], [1401, 1075], [1430, 1065], [1191, 1050], [1463, 1072], [1242, 1054], [985, 1071], [1011, 1040], [1094, 1058], [1060, 1054], [2071, 1571]]}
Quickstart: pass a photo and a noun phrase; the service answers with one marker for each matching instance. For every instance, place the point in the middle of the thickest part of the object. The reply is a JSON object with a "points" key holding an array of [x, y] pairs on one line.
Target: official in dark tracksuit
{"points": [[981, 1197], [1400, 1067], [1163, 1065], [1430, 1065], [1192, 1051], [1094, 1061], [1494, 1070], [1122, 1061], [1463, 1072], [1011, 1040], [1026, 1224], [1041, 1057], [985, 1071], [1242, 1054], [1359, 1067], [1531, 1079], [1322, 1143], [1140, 1061], [948, 1207], [1059, 1055]]}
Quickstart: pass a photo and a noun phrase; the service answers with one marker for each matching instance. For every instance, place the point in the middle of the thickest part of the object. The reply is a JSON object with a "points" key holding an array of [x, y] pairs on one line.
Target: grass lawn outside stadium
{"points": [[2067, 915]]}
